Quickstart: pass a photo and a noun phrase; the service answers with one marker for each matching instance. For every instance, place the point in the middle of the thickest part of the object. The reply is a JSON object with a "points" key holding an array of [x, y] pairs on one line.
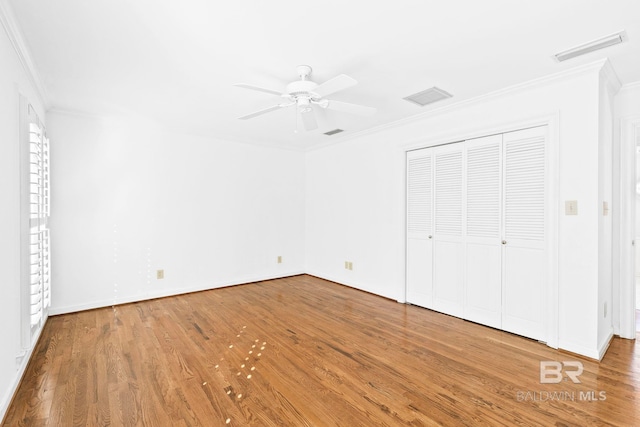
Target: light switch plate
{"points": [[571, 207]]}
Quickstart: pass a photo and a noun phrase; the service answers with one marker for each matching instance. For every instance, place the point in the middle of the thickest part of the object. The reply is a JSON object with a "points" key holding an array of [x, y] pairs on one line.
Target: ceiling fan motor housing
{"points": [[301, 88]]}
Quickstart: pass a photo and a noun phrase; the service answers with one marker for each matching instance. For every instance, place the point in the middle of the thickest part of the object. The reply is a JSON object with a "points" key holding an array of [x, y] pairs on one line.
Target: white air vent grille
{"points": [[600, 43], [428, 96]]}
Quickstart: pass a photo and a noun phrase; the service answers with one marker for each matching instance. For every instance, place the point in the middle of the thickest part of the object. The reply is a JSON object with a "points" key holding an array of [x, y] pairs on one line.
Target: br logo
{"points": [[552, 372]]}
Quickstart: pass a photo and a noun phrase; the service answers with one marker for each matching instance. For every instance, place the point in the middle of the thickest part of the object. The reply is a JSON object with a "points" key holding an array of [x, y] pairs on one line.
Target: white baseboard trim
{"points": [[351, 284], [592, 353], [604, 345], [167, 293]]}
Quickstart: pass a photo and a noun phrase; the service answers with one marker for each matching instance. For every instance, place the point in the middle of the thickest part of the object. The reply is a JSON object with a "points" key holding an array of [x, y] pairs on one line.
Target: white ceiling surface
{"points": [[177, 61]]}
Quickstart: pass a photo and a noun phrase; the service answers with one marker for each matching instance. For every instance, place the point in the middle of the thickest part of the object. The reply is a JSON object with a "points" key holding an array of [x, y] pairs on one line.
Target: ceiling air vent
{"points": [[333, 132], [600, 43], [428, 96]]}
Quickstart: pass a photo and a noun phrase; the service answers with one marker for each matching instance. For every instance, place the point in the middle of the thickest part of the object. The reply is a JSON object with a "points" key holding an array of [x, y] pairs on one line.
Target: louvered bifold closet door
{"points": [[483, 272], [524, 251], [420, 227], [448, 259]]}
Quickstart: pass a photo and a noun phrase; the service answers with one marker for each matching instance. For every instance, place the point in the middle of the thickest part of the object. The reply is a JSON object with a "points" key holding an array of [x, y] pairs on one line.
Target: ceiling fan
{"points": [[305, 93]]}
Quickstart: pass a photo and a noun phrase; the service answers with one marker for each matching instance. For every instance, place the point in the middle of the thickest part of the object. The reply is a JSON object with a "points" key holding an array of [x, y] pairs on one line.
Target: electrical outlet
{"points": [[279, 259], [348, 265], [605, 309], [159, 274]]}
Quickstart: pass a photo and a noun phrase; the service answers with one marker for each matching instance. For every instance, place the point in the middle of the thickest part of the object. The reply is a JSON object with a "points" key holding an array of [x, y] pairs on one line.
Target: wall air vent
{"points": [[428, 96], [333, 132], [600, 43]]}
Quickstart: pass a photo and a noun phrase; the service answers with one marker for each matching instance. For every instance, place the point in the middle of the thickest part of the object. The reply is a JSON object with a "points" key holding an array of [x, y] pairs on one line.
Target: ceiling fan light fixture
{"points": [[428, 96], [305, 92], [601, 43]]}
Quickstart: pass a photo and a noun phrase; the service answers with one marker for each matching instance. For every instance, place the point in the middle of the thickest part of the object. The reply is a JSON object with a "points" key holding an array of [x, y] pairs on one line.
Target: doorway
{"points": [[637, 215], [627, 293]]}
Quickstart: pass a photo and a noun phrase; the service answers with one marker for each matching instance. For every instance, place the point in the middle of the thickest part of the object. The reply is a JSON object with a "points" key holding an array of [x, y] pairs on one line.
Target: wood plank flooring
{"points": [[302, 351]]}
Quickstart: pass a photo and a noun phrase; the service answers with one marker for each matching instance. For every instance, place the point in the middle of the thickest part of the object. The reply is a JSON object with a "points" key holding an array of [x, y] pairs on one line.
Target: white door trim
{"points": [[629, 134]]}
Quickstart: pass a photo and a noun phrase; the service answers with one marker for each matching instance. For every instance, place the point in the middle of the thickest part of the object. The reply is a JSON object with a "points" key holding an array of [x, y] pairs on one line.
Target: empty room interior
{"points": [[319, 214]]}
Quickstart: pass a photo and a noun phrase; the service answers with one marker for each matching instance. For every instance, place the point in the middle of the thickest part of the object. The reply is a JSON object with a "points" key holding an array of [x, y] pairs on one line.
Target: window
{"points": [[35, 210]]}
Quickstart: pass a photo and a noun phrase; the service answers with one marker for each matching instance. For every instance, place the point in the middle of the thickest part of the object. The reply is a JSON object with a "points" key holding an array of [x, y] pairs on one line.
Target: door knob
{"points": [[504, 242], [430, 236]]}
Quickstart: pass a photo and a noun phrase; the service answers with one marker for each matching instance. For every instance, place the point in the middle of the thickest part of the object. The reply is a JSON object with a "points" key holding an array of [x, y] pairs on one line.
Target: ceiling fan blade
{"points": [[260, 112], [258, 88], [346, 107], [309, 119], [335, 84]]}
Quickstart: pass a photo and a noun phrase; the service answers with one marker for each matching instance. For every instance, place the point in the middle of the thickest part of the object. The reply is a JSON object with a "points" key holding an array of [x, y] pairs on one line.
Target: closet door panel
{"points": [[448, 234], [523, 295], [524, 254], [483, 280], [448, 277], [419, 281]]}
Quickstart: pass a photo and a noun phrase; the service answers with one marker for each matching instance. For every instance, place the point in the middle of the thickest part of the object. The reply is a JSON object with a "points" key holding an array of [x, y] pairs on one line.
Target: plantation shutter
{"points": [[39, 251], [35, 278]]}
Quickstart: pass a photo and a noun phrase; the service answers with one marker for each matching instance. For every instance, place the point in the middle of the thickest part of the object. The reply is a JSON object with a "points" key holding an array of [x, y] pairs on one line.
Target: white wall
{"points": [[130, 198], [355, 194], [13, 82]]}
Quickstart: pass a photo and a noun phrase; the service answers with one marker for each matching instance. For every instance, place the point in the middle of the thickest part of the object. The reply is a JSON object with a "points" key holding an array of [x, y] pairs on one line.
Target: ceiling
{"points": [[177, 62]]}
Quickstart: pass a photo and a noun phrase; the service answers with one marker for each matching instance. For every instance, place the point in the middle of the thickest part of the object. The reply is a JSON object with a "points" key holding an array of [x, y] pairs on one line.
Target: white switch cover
{"points": [[571, 207]]}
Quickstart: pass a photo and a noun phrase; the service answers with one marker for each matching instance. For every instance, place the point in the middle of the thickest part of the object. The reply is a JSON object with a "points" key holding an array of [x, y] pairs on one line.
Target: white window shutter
{"points": [[39, 282]]}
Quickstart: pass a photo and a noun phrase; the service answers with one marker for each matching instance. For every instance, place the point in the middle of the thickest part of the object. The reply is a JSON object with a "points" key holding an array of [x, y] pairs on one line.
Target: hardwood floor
{"points": [[302, 351]]}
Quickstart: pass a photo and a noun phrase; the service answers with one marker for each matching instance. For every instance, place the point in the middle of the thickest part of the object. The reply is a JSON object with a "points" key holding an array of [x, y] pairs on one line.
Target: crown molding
{"points": [[630, 86], [12, 28], [591, 67], [199, 133]]}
